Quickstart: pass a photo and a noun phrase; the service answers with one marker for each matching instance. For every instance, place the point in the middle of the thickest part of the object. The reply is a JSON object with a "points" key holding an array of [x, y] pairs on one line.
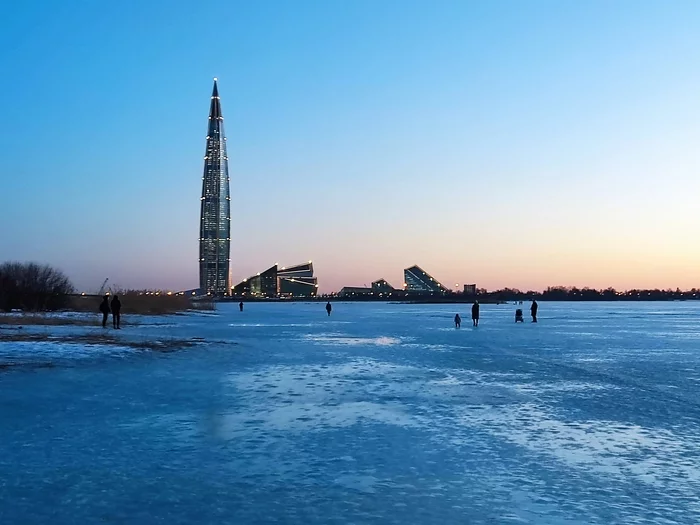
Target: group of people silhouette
{"points": [[329, 309], [115, 308], [518, 314]]}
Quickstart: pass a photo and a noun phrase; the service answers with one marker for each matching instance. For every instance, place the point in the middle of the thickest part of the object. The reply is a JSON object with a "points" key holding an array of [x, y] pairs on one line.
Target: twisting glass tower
{"points": [[215, 219]]}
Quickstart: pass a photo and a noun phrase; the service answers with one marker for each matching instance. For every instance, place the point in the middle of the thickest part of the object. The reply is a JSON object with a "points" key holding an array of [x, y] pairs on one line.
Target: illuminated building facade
{"points": [[288, 281], [297, 281], [215, 216], [418, 281]]}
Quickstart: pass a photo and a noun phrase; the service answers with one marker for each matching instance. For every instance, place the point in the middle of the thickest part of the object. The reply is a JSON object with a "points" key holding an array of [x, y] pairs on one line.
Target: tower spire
{"points": [[215, 107]]}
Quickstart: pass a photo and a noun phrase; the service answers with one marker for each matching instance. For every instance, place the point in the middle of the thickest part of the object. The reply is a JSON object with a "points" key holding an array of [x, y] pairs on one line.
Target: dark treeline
{"points": [[33, 287], [572, 293], [552, 293]]}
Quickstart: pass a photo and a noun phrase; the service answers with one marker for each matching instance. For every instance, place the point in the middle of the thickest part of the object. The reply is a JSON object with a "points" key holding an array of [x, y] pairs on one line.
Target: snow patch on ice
{"points": [[338, 339], [270, 325], [655, 456], [315, 397]]}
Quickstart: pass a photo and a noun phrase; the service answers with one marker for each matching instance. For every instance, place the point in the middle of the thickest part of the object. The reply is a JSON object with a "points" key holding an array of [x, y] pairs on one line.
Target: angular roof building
{"points": [[418, 281], [288, 281], [382, 286], [215, 214], [297, 281]]}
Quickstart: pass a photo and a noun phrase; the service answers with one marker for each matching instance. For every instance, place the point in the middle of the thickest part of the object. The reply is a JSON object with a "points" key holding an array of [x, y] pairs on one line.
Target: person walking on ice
{"points": [[458, 321], [475, 313], [533, 311], [329, 308]]}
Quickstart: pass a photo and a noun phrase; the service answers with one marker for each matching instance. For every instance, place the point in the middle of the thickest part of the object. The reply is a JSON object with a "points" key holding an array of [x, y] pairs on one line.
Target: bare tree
{"points": [[33, 287]]}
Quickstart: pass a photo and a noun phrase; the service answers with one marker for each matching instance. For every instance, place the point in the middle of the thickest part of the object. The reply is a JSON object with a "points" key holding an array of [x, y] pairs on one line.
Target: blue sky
{"points": [[506, 143]]}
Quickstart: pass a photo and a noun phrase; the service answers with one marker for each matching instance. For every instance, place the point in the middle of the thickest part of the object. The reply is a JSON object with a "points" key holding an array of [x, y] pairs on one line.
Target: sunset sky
{"points": [[503, 143]]}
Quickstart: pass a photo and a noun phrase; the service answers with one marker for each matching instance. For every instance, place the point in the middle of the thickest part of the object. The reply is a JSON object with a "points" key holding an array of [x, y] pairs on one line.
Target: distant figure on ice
{"points": [[475, 313], [519, 316], [329, 308], [240, 306], [533, 311], [116, 312], [104, 308], [458, 321]]}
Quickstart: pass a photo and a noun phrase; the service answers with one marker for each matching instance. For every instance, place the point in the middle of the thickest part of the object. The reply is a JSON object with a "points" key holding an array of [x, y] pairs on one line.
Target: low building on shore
{"points": [[379, 288], [355, 291]]}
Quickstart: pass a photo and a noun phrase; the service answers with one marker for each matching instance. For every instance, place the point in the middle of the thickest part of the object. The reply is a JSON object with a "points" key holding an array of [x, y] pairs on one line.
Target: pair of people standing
{"points": [[115, 308], [475, 316], [533, 313]]}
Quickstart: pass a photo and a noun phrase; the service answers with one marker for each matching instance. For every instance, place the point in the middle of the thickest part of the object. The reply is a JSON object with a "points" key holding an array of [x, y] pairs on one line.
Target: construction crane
{"points": [[102, 288]]}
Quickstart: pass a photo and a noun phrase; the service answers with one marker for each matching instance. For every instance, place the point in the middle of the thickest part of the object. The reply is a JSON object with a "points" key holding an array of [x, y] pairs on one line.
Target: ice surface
{"points": [[53, 351], [377, 414]]}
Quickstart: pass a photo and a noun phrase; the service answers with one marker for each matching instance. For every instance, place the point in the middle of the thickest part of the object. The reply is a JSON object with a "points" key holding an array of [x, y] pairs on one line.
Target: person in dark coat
{"points": [[240, 306], [329, 307], [116, 312], [104, 308], [475, 313], [519, 316], [533, 311], [458, 321]]}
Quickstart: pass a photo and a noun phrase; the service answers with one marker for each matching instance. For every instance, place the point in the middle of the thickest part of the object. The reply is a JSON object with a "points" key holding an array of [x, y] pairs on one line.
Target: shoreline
{"points": [[43, 331]]}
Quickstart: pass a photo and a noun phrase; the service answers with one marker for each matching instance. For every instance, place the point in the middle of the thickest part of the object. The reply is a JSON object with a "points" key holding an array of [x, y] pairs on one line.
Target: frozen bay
{"points": [[380, 413]]}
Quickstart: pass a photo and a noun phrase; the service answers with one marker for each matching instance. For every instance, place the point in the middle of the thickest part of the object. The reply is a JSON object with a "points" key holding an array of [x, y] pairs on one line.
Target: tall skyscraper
{"points": [[215, 217]]}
